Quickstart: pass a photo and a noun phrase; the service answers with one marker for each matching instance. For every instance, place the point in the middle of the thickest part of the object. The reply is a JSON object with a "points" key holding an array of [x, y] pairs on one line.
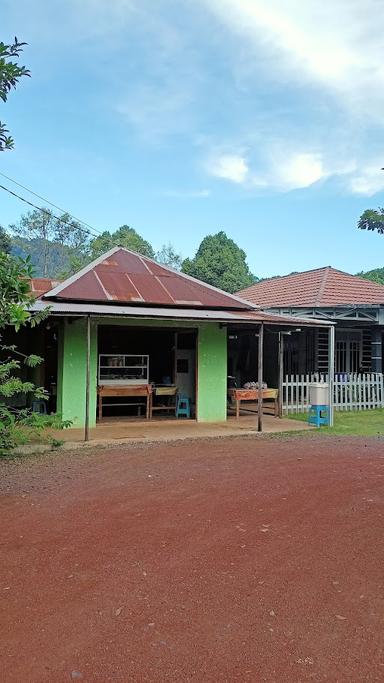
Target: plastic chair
{"points": [[183, 407]]}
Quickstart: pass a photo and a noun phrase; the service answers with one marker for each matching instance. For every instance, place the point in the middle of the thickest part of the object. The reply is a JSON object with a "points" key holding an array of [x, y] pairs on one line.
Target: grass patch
{"points": [[354, 423]]}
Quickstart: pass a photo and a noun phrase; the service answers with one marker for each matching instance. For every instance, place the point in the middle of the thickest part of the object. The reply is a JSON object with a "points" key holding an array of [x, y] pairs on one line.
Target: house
{"points": [[355, 304], [126, 324]]}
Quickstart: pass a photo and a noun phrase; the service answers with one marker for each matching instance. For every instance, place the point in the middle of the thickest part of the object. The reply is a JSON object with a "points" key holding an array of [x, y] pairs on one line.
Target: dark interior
{"points": [[159, 344], [243, 357]]}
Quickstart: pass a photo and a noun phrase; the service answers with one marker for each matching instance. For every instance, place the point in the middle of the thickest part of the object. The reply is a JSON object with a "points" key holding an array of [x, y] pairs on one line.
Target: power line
{"points": [[48, 213], [47, 201]]}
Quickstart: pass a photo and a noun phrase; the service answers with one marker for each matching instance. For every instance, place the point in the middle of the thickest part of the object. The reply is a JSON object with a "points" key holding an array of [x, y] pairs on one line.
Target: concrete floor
{"points": [[168, 429]]}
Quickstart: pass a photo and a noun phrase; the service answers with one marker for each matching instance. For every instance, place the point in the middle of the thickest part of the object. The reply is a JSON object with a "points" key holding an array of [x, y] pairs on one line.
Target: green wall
{"points": [[212, 373], [211, 367], [71, 380]]}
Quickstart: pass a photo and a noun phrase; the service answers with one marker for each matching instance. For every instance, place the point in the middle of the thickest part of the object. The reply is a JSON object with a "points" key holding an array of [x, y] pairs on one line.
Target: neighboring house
{"points": [[127, 320], [355, 304]]}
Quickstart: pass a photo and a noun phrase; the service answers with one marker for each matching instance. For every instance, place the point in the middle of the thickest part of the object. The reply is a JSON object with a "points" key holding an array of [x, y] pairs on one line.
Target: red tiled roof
{"points": [[122, 276], [42, 285], [314, 288]]}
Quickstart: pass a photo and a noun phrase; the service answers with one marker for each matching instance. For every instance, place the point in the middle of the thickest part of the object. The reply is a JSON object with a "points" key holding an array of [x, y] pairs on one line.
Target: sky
{"points": [[180, 118]]}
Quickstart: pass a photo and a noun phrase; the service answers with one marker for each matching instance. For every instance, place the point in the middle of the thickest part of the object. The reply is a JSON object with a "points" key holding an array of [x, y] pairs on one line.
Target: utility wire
{"points": [[47, 213], [47, 201]]}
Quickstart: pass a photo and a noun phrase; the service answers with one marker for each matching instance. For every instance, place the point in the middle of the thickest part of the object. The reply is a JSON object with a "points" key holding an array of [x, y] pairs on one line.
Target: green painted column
{"points": [[212, 373], [71, 379]]}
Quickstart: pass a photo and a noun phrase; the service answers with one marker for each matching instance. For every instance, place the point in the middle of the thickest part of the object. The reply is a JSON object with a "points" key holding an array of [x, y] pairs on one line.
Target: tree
{"points": [[5, 242], [372, 219], [219, 261], [16, 424], [52, 242], [123, 237], [376, 275], [10, 73], [169, 257]]}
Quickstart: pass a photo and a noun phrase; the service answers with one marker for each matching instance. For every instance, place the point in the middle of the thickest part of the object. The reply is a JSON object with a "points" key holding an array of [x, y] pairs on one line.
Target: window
{"points": [[348, 351], [182, 365]]}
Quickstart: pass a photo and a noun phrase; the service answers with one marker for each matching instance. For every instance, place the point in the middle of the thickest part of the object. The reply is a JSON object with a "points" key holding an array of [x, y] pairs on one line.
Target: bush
{"points": [[18, 426]]}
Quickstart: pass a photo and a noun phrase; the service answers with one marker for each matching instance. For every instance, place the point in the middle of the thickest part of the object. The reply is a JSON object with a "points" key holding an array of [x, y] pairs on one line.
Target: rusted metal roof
{"points": [[172, 313], [41, 285], [122, 276], [323, 287]]}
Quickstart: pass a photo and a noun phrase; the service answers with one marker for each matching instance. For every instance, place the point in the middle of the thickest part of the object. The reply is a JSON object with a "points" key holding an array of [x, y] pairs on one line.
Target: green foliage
{"points": [[219, 261], [10, 73], [14, 291], [5, 241], [376, 275], [372, 219], [18, 426], [169, 257], [123, 237]]}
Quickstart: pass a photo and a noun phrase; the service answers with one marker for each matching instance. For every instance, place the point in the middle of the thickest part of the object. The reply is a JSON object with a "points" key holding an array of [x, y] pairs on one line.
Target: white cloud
{"points": [[187, 194], [333, 44], [300, 170], [229, 166], [283, 171], [369, 181]]}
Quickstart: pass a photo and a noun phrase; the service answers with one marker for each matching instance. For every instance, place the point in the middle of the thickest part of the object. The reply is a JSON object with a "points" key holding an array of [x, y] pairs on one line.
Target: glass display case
{"points": [[116, 369]]}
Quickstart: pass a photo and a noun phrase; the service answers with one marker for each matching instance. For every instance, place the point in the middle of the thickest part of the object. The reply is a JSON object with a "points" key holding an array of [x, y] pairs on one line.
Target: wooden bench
{"points": [[271, 395], [125, 390]]}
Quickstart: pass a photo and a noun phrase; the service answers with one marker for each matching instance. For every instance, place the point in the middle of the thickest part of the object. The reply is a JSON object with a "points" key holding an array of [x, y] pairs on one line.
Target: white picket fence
{"points": [[351, 391]]}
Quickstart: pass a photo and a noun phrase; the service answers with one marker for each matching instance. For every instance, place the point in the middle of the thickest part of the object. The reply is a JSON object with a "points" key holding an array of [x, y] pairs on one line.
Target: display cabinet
{"points": [[118, 369]]}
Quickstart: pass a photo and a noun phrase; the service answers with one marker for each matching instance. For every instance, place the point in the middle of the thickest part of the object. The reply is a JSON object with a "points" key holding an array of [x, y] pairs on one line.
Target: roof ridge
{"points": [[322, 285]]}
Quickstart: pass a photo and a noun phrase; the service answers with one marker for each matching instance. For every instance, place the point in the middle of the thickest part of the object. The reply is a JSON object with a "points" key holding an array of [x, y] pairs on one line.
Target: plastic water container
{"points": [[318, 394]]}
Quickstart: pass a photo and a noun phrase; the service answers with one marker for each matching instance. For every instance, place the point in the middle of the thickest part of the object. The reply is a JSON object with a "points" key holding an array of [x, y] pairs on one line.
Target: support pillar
{"points": [[260, 379], [377, 350], [331, 372], [281, 372], [72, 372], [212, 373]]}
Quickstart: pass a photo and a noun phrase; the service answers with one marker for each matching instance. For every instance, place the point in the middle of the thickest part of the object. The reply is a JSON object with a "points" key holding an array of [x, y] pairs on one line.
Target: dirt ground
{"points": [[228, 560]]}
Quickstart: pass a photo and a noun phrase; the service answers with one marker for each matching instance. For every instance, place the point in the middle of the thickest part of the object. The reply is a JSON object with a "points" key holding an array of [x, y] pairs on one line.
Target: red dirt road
{"points": [[229, 560]]}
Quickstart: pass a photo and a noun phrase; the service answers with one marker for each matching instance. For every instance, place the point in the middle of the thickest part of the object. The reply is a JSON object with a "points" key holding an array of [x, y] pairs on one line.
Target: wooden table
{"points": [[125, 390], [239, 395], [168, 390]]}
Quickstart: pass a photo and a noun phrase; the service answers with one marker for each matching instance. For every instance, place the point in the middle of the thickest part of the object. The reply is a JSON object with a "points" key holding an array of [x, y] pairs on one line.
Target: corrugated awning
{"points": [[152, 313]]}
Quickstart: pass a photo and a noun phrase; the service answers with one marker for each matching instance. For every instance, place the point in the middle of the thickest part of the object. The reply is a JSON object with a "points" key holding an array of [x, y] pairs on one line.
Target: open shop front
{"points": [[146, 372]]}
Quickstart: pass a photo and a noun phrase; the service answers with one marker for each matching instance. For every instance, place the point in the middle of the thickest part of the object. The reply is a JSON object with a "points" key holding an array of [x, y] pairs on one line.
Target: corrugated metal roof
{"points": [[126, 277], [41, 285], [318, 288], [199, 314]]}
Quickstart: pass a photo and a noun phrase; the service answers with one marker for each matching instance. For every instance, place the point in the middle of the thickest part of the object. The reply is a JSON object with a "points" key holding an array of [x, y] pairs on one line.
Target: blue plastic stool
{"points": [[318, 415], [183, 407], [39, 407]]}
